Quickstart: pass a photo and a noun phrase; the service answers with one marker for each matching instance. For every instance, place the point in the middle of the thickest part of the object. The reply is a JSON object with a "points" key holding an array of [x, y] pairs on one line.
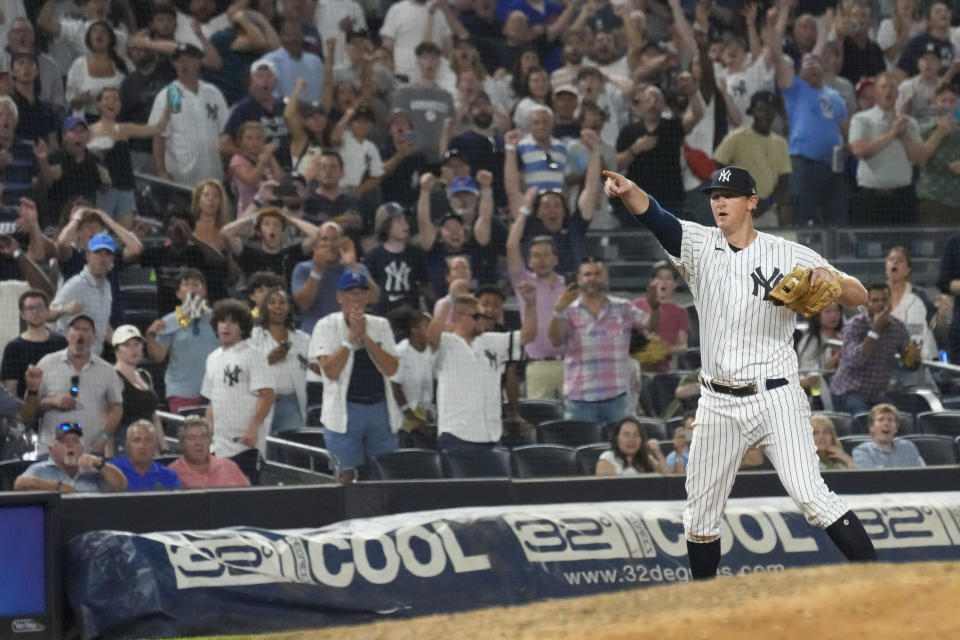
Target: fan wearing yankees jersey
{"points": [[750, 389]]}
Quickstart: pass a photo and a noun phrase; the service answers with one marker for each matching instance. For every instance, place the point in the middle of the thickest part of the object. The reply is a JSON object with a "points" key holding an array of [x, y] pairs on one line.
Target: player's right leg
{"points": [[715, 455]]}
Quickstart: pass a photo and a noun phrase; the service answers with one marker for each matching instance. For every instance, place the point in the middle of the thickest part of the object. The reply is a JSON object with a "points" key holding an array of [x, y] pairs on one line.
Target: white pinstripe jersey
{"points": [[743, 338]]}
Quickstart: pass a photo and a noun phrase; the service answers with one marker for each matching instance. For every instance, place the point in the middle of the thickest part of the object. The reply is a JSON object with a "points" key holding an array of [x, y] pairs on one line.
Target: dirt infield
{"points": [[842, 601]]}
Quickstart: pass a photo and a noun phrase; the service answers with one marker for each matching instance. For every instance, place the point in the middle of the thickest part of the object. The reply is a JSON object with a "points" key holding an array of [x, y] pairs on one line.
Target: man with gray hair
{"points": [[197, 468], [143, 473], [69, 469], [535, 158]]}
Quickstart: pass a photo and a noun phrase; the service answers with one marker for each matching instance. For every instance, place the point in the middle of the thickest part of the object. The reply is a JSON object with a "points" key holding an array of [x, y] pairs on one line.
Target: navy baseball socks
{"points": [[704, 559], [851, 539], [847, 533]]}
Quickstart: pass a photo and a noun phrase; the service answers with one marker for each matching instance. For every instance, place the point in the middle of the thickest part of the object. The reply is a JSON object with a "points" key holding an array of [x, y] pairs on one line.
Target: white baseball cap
{"points": [[263, 62], [125, 332]]}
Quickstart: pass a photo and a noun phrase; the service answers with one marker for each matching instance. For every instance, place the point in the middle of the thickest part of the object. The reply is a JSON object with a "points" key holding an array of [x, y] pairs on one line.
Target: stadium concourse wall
{"points": [[271, 559]]}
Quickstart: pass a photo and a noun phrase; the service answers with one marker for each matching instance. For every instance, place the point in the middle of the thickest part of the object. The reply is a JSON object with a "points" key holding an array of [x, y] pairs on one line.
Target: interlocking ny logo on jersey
{"points": [[213, 111], [767, 283], [491, 357], [231, 377], [725, 175]]}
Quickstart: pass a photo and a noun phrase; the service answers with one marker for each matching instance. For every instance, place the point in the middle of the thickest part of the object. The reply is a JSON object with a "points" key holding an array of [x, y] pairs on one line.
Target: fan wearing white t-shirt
{"points": [[237, 382], [413, 382], [470, 365]]}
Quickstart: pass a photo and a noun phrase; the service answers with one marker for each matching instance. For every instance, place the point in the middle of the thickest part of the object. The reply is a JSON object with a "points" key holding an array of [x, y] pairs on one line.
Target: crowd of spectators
{"points": [[349, 168]]}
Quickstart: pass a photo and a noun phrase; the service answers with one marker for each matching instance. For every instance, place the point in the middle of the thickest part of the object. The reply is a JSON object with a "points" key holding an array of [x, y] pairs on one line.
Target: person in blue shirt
{"points": [[142, 473]]}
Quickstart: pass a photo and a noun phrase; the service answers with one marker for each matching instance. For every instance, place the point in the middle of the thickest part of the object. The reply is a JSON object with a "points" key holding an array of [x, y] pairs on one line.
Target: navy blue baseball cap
{"points": [[732, 178], [351, 278]]}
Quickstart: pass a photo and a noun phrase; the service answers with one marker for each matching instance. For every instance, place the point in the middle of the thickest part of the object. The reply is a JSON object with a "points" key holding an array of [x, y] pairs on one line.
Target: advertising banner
{"points": [[248, 580]]}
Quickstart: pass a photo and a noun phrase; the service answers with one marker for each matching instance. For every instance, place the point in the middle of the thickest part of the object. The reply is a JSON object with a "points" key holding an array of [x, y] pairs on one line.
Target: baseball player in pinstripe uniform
{"points": [[750, 391]]}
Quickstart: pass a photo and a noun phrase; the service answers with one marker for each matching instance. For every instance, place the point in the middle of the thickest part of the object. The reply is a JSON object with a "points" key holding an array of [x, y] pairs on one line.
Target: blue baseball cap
{"points": [[71, 121], [463, 183], [102, 241], [351, 278]]}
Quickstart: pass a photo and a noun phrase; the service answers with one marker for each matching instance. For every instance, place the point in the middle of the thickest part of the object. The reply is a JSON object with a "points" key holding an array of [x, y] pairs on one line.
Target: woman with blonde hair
{"points": [[903, 24], [829, 449], [210, 207]]}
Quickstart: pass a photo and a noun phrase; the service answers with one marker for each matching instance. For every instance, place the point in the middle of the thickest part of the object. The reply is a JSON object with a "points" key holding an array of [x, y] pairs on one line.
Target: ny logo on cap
{"points": [[724, 175]]}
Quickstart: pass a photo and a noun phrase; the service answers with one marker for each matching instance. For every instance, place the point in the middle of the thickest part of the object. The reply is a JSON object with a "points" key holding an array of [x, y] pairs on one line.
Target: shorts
{"points": [[368, 435], [116, 202]]}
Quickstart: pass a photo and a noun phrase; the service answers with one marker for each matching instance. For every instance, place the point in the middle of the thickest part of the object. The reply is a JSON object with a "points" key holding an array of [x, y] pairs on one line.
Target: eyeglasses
{"points": [[476, 316], [75, 386], [34, 307]]}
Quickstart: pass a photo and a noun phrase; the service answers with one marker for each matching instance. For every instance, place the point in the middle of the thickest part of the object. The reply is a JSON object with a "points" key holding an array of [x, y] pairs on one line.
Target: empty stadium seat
{"points": [[140, 318], [906, 423], [917, 401], [671, 424], [934, 449], [571, 433], [654, 427], [409, 464], [945, 423], [537, 411], [842, 421], [193, 410], [477, 462], [586, 456], [312, 459], [849, 443], [543, 461]]}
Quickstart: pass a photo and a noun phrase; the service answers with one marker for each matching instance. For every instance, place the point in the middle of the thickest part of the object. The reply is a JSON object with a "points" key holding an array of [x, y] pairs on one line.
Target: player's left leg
{"points": [[789, 445]]}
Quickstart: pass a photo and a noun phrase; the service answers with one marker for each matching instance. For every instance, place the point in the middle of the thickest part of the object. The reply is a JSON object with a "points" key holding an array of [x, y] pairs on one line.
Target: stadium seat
{"points": [[140, 318], [543, 461], [915, 402], [586, 456], [139, 296], [165, 459], [662, 388], [654, 427], [537, 411], [842, 421], [945, 423], [409, 464], [571, 433], [476, 462], [849, 443], [934, 449], [953, 402], [906, 423], [671, 424], [312, 459], [309, 437], [9, 470]]}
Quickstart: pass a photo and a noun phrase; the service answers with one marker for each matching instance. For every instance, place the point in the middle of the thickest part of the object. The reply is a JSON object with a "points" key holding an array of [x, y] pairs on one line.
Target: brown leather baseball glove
{"points": [[796, 293]]}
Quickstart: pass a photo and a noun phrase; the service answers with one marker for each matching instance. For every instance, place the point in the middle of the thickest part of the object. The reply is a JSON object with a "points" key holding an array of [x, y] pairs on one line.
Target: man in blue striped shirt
{"points": [[541, 157]]}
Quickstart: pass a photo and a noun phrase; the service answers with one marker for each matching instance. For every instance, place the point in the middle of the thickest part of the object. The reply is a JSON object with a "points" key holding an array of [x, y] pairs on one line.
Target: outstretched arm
{"points": [[663, 224]]}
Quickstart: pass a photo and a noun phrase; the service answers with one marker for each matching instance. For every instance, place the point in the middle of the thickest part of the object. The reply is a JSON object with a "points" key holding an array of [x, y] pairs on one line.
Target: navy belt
{"points": [[743, 389]]}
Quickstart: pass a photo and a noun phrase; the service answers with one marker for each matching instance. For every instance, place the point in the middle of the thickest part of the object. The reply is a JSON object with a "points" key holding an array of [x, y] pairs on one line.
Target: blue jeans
{"points": [[852, 403], [815, 188], [598, 411], [368, 435]]}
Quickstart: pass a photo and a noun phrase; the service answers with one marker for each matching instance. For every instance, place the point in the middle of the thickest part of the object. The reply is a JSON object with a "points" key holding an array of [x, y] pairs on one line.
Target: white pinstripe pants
{"points": [[778, 421]]}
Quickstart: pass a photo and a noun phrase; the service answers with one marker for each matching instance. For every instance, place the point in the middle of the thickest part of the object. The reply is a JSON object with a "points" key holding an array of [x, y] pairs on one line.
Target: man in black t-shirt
{"points": [[396, 266], [649, 149], [34, 343], [327, 201], [268, 253]]}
